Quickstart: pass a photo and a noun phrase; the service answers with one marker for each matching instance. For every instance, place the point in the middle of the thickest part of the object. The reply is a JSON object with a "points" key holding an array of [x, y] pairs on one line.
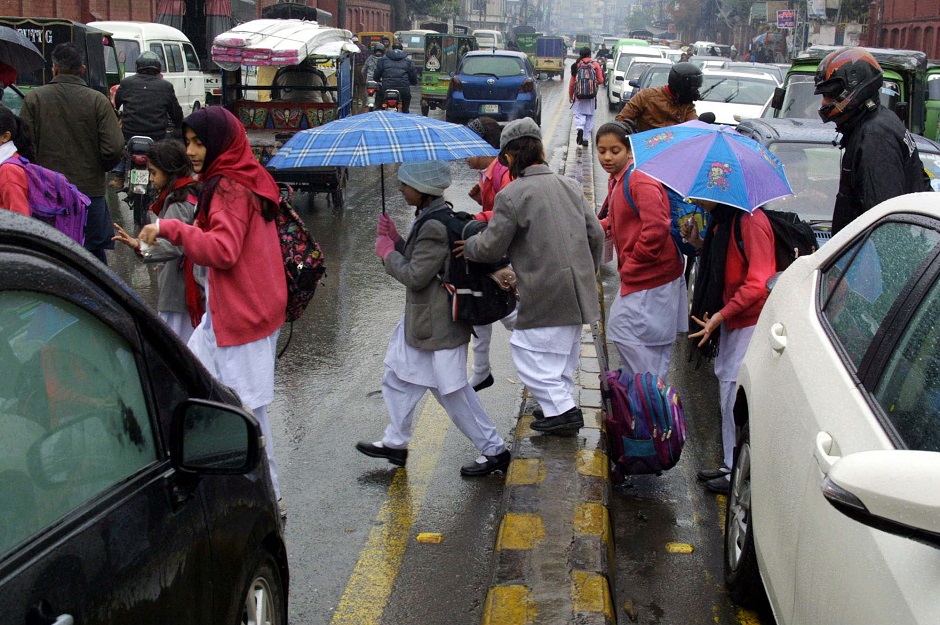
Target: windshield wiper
{"points": [[709, 90], [486, 74]]}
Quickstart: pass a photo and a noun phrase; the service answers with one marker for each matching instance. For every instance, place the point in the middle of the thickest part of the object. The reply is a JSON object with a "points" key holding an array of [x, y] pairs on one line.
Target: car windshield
{"points": [[412, 41], [800, 101], [624, 60], [813, 171], [499, 66], [739, 90], [636, 70]]}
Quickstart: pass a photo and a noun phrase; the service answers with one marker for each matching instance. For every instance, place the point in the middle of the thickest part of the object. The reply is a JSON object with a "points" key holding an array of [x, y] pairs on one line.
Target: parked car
{"points": [[637, 69], [498, 83], [733, 96], [133, 486], [655, 75], [616, 80], [812, 160], [833, 503], [756, 68]]}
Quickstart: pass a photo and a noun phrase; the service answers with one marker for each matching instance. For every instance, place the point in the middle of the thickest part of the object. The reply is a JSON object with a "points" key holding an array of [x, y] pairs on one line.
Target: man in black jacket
{"points": [[396, 71], [881, 160], [149, 102]]}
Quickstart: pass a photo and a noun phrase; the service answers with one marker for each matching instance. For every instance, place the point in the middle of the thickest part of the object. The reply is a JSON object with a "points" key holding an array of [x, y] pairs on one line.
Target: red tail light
{"points": [[528, 86], [370, 91], [455, 84], [139, 159]]}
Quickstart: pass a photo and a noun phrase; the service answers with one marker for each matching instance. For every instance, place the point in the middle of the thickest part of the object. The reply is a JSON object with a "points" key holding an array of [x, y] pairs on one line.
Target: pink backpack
{"points": [[55, 200]]}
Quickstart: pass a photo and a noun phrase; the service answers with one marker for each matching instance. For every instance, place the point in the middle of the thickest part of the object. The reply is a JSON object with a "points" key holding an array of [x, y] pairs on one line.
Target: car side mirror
{"points": [[618, 77], [634, 83], [776, 101], [213, 438]]}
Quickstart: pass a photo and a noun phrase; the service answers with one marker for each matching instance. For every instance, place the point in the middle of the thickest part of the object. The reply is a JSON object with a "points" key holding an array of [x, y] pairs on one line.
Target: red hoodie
{"points": [[646, 254], [746, 280]]}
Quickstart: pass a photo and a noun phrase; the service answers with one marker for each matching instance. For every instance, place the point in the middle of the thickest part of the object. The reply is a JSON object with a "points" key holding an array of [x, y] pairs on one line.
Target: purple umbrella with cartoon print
{"points": [[711, 162]]}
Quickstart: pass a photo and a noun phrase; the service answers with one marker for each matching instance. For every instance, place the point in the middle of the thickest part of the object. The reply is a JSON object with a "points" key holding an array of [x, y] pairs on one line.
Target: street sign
{"points": [[786, 19]]}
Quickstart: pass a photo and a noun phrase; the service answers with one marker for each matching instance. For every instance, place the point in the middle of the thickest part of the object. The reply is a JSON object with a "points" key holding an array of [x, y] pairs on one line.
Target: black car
{"points": [[132, 485], [812, 159]]}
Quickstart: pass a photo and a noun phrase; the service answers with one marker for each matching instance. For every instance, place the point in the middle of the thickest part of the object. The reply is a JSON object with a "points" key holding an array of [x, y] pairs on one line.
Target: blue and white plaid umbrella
{"points": [[377, 138]]}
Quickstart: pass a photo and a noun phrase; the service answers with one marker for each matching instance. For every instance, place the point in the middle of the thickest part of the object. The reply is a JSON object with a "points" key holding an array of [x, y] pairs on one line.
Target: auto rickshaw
{"points": [[368, 39], [550, 55], [283, 76], [102, 69], [526, 43], [442, 54]]}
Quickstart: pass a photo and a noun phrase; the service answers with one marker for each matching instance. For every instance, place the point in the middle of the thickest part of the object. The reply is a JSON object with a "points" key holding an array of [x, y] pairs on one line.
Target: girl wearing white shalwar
{"points": [[543, 222], [428, 350]]}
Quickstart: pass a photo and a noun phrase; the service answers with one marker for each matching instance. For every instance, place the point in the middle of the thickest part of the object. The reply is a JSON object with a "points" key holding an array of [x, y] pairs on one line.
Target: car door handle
{"points": [[778, 337], [824, 444]]}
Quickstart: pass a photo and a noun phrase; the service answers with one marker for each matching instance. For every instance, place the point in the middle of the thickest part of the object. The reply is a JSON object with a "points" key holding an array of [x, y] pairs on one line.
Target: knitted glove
{"points": [[384, 246], [387, 228]]}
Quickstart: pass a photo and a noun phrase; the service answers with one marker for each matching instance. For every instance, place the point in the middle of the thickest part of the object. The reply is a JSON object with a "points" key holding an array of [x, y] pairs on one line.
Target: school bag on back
{"points": [[55, 200], [646, 424], [475, 297], [303, 257], [793, 237], [585, 82], [679, 211]]}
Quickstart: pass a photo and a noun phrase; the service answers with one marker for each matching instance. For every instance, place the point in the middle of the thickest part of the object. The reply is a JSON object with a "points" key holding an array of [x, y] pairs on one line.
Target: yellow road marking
{"points": [[520, 531], [509, 605], [591, 594], [679, 548], [370, 584], [592, 463], [592, 519], [525, 471]]}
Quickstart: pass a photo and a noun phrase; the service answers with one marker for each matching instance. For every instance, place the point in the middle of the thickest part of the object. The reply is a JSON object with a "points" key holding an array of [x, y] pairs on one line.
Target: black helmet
{"points": [[852, 77], [148, 62], [684, 81]]}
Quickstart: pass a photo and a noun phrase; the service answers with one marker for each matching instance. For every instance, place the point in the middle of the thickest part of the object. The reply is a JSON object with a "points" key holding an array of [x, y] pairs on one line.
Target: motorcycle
{"points": [[392, 100], [372, 88], [139, 192]]}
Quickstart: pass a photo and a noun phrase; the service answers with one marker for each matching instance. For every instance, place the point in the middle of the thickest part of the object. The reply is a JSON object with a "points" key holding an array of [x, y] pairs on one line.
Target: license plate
{"points": [[140, 176], [489, 108]]}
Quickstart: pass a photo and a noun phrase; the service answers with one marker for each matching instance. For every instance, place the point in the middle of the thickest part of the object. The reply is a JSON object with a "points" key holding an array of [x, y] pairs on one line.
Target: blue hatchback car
{"points": [[495, 83]]}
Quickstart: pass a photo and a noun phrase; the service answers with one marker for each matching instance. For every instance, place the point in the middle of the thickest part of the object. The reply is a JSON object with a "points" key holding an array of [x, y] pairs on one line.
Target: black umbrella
{"points": [[17, 51]]}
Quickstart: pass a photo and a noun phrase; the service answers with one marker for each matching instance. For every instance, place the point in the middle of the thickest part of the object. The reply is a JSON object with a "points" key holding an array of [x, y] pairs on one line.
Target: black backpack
{"points": [[793, 237], [476, 298]]}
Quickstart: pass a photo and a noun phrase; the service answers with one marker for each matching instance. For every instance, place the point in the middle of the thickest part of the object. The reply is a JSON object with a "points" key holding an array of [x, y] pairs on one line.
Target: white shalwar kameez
{"points": [[545, 360], [178, 322], [410, 372], [248, 369], [481, 346], [584, 115], [732, 345], [644, 324]]}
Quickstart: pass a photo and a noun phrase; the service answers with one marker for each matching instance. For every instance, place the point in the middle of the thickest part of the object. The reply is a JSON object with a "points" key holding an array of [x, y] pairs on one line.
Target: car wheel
{"points": [[263, 600], [196, 106], [741, 574], [537, 118]]}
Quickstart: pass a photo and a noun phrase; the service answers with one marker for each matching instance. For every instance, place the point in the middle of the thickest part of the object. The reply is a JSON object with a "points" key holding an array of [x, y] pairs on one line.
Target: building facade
{"points": [[907, 24]]}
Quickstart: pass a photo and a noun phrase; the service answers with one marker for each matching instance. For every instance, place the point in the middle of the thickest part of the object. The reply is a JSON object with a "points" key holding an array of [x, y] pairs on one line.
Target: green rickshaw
{"points": [[442, 54]]}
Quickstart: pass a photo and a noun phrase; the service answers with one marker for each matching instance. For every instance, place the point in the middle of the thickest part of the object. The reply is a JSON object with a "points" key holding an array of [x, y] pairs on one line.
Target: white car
{"points": [[625, 56], [834, 507], [733, 96]]}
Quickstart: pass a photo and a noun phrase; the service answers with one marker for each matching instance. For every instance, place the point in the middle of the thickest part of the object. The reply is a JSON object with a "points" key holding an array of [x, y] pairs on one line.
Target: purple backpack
{"points": [[55, 200], [646, 430]]}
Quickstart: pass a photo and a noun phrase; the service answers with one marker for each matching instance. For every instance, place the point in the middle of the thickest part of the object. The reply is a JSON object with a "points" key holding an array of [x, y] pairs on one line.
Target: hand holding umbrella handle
{"points": [[384, 246], [387, 228]]}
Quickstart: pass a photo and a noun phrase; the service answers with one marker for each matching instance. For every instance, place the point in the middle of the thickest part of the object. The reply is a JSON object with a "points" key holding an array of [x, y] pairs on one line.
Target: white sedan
{"points": [[733, 96], [834, 507]]}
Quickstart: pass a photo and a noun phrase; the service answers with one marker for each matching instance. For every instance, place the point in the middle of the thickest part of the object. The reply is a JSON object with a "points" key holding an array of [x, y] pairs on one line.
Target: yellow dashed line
{"points": [[590, 593], [679, 548], [592, 463], [520, 531], [509, 605], [525, 471], [592, 519], [370, 584]]}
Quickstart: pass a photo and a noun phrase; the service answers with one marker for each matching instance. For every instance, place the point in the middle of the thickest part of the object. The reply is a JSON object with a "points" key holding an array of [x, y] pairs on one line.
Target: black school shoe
{"points": [[499, 462], [486, 383], [568, 421], [720, 485], [710, 474], [580, 138], [398, 457]]}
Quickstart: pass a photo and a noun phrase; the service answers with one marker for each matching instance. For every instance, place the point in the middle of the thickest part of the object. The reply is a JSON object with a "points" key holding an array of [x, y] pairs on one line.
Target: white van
{"points": [[489, 39], [176, 53]]}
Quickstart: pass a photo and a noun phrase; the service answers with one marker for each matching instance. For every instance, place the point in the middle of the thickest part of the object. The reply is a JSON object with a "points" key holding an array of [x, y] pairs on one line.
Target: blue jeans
{"points": [[99, 229]]}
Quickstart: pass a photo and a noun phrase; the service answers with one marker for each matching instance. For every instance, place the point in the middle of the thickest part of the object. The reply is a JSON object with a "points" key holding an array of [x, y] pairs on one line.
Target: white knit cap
{"points": [[430, 177]]}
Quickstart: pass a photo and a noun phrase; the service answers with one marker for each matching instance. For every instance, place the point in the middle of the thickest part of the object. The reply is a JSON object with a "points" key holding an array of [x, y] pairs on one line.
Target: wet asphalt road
{"points": [[353, 521]]}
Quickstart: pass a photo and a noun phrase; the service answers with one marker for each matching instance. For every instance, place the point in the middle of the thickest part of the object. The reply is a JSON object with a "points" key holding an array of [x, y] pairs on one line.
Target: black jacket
{"points": [[880, 162], [150, 105], [395, 71]]}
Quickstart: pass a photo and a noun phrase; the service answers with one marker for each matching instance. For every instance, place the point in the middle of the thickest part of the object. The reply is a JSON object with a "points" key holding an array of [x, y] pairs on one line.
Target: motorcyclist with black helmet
{"points": [[148, 101], [880, 159], [673, 103]]}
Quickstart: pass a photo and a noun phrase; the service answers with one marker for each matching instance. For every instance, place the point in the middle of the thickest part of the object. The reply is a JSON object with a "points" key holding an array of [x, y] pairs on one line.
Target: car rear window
{"points": [[499, 66], [624, 60]]}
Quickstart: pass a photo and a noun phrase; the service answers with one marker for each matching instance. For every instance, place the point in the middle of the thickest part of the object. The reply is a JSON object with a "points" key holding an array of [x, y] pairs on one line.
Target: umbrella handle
{"points": [[382, 174]]}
